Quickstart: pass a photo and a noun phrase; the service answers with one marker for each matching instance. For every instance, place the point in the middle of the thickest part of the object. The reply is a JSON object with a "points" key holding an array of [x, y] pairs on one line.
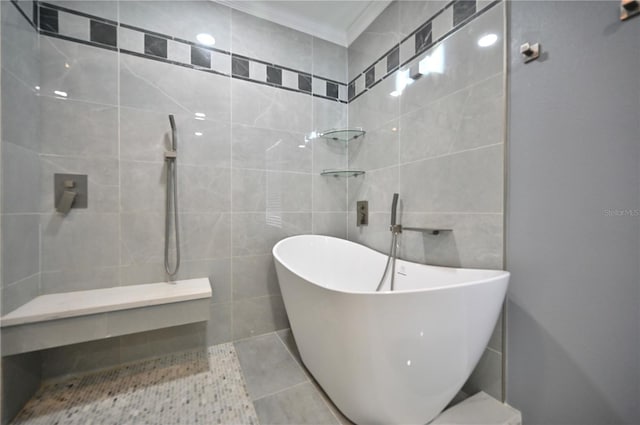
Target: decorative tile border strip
{"points": [[442, 24], [71, 25], [67, 24], [25, 14]]}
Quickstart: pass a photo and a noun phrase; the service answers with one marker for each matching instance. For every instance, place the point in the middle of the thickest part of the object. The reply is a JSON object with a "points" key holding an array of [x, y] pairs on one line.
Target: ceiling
{"points": [[340, 22]]}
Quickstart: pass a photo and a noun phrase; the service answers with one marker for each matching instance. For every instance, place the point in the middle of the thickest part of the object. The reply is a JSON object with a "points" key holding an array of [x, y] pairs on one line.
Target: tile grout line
{"points": [[309, 377], [231, 213], [279, 391], [118, 106], [313, 151], [430, 158]]}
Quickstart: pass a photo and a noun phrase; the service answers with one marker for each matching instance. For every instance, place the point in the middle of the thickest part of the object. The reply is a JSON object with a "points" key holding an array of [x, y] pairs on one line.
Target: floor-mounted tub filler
{"points": [[388, 357]]}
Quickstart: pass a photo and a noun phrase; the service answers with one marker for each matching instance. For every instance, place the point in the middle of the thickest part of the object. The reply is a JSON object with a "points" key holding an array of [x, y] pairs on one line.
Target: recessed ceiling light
{"points": [[197, 133], [487, 40], [206, 39], [60, 93]]}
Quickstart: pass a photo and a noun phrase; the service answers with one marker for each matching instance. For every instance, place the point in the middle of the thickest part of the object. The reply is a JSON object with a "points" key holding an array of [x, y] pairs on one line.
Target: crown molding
{"points": [[357, 27]]}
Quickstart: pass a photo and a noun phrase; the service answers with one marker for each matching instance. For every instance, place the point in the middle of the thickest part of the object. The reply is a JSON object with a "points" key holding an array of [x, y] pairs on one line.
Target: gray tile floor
{"points": [[282, 391], [255, 380]]}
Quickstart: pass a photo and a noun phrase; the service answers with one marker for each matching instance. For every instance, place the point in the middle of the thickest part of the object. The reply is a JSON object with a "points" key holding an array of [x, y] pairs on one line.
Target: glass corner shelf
{"points": [[343, 135], [342, 173]]}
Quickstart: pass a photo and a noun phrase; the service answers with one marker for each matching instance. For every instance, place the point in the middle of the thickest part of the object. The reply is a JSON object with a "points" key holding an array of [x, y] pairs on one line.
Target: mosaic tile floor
{"points": [[195, 387]]}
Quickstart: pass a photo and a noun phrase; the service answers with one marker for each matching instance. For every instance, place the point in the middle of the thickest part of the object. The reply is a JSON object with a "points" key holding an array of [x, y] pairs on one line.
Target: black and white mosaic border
{"points": [[67, 24], [443, 23], [72, 25]]}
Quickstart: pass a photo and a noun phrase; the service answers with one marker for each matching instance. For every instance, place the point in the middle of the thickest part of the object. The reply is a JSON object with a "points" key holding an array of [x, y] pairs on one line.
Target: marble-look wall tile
{"points": [[487, 375], [248, 192], [20, 112], [73, 69], [204, 189], [79, 279], [268, 41], [476, 240], [21, 247], [94, 132], [78, 358], [378, 148], [258, 190], [255, 316], [185, 19], [205, 235], [146, 135], [329, 193], [414, 13], [468, 118], [470, 181], [268, 107], [329, 60], [147, 345], [496, 336], [264, 149], [20, 46], [328, 114], [21, 178], [21, 373], [376, 187], [102, 181], [375, 40], [254, 276], [376, 107], [375, 235], [464, 63], [142, 186], [219, 324], [103, 9], [219, 272], [256, 233], [170, 89], [445, 158], [159, 342], [330, 224], [329, 155], [79, 241], [142, 238], [21, 292]]}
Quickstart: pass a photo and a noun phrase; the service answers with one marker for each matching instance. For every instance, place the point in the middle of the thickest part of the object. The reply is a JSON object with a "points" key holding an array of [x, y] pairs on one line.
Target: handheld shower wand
{"points": [[172, 198], [174, 133], [391, 259], [394, 207]]}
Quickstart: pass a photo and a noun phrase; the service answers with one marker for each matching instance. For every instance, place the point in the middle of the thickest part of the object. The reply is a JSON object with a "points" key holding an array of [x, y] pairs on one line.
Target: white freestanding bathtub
{"points": [[385, 357]]}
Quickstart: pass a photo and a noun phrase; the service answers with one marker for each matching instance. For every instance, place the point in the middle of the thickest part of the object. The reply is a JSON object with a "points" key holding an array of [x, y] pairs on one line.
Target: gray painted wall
{"points": [[573, 312]]}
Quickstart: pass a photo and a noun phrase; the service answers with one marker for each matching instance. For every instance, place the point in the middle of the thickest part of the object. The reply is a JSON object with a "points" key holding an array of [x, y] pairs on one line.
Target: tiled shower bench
{"points": [[67, 318]]}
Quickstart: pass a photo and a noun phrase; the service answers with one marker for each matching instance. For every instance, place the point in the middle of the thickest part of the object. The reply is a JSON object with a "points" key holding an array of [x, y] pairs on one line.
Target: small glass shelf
{"points": [[343, 135], [342, 173]]}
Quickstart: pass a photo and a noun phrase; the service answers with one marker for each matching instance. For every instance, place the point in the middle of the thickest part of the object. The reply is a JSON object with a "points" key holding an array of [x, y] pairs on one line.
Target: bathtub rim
{"points": [[500, 274]]}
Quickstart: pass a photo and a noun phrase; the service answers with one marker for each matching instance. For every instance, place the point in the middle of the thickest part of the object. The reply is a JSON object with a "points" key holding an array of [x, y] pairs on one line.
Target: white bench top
{"points": [[81, 303]]}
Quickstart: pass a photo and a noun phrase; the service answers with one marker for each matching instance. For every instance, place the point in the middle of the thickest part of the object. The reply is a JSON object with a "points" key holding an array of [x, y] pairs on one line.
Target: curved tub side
{"points": [[390, 358]]}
